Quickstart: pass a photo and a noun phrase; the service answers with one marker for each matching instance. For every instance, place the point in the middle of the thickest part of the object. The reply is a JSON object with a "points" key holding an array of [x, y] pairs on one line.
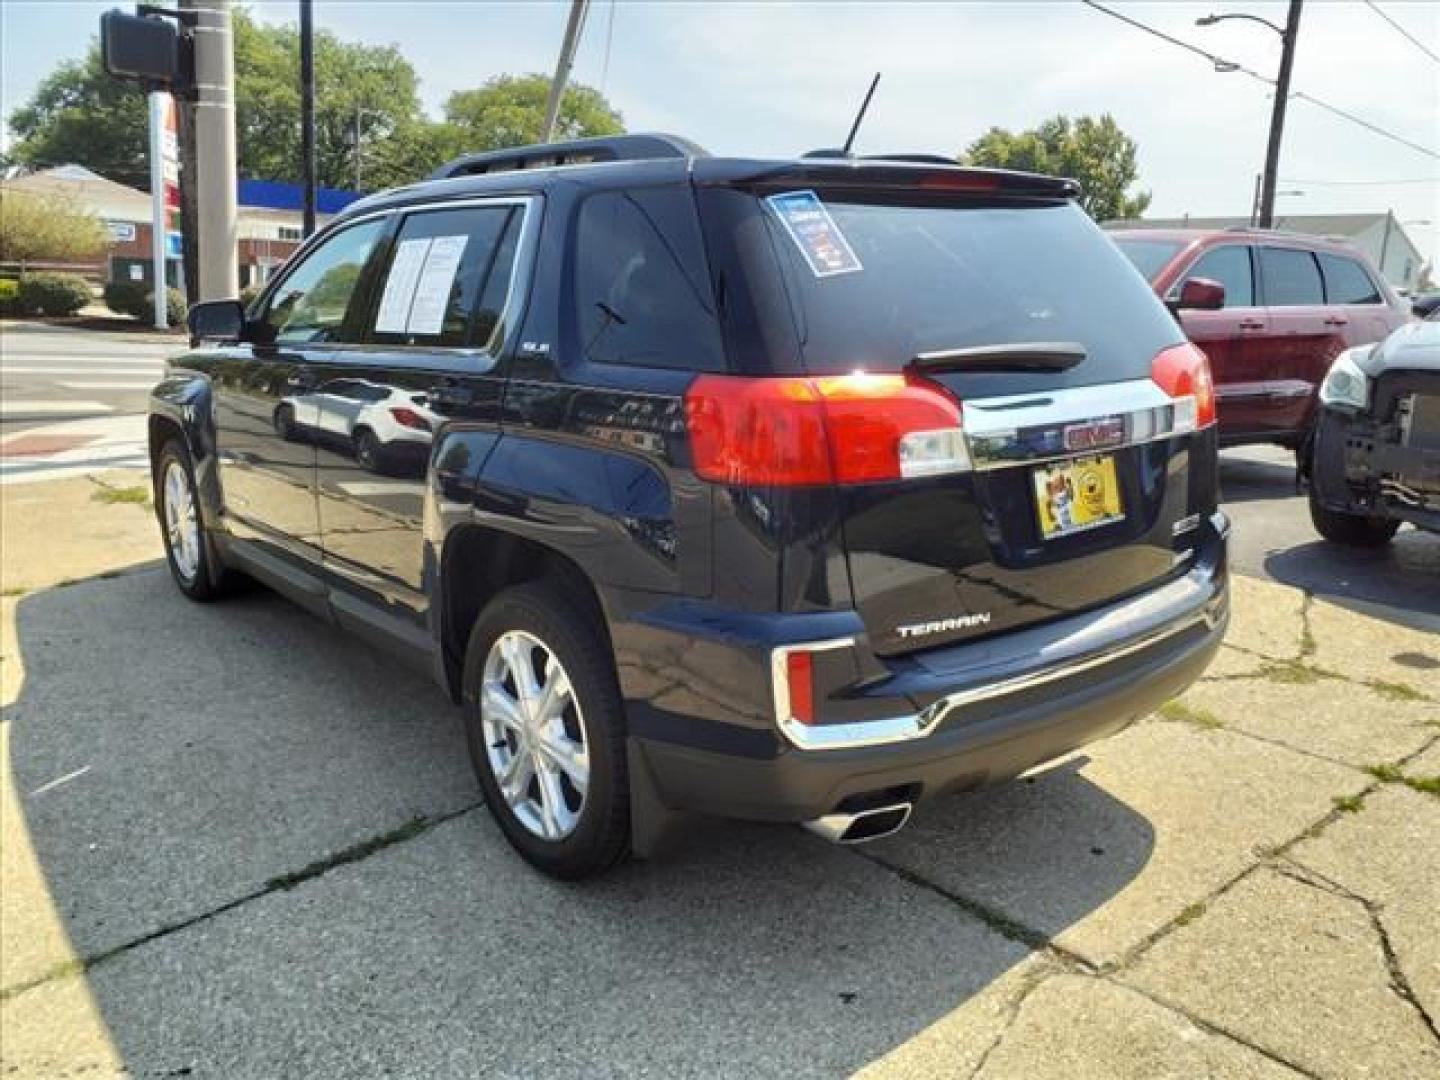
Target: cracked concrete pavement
{"points": [[237, 842]]}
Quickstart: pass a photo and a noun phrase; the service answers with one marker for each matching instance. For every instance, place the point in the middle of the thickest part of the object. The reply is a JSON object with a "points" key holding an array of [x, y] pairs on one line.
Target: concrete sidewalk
{"points": [[237, 843]]}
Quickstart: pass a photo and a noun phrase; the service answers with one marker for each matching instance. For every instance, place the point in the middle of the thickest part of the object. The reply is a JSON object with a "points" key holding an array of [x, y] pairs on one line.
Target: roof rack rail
{"points": [[579, 151]]}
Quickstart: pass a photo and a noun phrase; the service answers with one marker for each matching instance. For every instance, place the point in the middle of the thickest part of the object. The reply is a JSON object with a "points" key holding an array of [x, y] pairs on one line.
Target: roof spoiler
{"points": [[926, 174], [577, 152]]}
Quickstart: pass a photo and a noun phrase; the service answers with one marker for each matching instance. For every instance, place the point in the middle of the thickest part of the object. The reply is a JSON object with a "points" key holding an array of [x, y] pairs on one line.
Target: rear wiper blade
{"points": [[1022, 356]]}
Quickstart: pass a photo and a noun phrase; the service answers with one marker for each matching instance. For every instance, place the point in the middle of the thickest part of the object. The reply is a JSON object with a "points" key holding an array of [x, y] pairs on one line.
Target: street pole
{"points": [[1277, 114], [562, 68], [215, 151], [357, 147], [157, 207], [1385, 241], [307, 110]]}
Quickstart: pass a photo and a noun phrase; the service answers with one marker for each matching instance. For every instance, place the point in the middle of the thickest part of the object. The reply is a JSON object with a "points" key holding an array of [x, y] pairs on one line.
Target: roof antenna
{"points": [[864, 105]]}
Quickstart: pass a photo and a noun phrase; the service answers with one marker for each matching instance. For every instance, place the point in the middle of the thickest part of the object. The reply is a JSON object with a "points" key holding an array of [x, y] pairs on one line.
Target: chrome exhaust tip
{"points": [[856, 828]]}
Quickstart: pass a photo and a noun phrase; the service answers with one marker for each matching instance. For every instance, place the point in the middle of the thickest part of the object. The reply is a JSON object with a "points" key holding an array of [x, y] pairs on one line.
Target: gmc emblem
{"points": [[1095, 434]]}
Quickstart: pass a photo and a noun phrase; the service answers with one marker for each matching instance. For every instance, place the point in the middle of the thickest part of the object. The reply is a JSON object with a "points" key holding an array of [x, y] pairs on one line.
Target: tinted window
{"points": [[1291, 277], [946, 277], [642, 293], [1346, 281], [311, 303], [441, 265], [1230, 266], [1149, 256]]}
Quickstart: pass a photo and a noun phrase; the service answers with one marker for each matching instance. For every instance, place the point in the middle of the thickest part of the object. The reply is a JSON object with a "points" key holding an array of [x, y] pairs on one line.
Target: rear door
{"points": [[1305, 337], [1075, 494], [1234, 338], [1353, 292]]}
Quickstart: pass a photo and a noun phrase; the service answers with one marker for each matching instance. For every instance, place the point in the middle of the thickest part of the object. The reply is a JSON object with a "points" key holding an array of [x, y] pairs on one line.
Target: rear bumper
{"points": [[979, 713]]}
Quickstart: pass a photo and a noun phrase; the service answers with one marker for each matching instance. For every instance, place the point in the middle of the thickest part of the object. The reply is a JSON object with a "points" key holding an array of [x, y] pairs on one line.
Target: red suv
{"points": [[1272, 310]]}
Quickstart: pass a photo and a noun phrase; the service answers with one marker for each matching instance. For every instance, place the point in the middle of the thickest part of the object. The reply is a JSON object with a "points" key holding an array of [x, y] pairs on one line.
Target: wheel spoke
{"points": [[514, 778], [569, 757], [500, 706], [554, 814], [555, 694], [517, 659]]}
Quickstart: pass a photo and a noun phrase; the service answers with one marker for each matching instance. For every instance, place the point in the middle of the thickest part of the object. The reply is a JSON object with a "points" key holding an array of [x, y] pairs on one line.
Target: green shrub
{"points": [[248, 295], [128, 298], [175, 307], [52, 294], [9, 296]]}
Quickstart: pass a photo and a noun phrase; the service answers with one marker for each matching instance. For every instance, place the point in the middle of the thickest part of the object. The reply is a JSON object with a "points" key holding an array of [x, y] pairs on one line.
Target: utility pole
{"points": [[307, 110], [1277, 114], [563, 66], [219, 274], [357, 146]]}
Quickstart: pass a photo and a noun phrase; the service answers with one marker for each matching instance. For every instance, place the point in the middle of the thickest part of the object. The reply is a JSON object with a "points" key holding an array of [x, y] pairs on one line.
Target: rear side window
{"points": [[1346, 281], [642, 293], [944, 276], [1230, 266], [1291, 278], [447, 277]]}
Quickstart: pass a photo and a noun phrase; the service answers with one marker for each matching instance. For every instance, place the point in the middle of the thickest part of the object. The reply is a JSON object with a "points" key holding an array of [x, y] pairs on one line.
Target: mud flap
{"points": [[655, 828]]}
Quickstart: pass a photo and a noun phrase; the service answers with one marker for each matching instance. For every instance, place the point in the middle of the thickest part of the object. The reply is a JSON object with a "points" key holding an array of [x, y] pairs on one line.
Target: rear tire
{"points": [[1352, 530], [188, 550], [550, 755], [367, 449]]}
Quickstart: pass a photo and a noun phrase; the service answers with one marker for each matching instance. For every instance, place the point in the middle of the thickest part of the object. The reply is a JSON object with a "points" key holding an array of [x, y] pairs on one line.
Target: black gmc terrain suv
{"points": [[790, 490]]}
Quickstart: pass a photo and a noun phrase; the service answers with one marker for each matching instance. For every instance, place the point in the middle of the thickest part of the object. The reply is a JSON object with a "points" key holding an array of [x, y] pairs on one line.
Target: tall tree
{"points": [[47, 228], [510, 109], [1095, 152]]}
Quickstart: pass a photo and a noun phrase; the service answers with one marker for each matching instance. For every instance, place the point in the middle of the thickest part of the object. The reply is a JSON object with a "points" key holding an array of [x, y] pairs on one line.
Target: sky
{"points": [[780, 78]]}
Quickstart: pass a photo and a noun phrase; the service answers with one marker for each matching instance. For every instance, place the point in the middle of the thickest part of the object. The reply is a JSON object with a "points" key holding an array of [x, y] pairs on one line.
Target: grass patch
{"points": [[1387, 772], [137, 495], [1349, 804], [1294, 673], [1395, 691], [1430, 785], [15, 590], [1181, 713], [1190, 914]]}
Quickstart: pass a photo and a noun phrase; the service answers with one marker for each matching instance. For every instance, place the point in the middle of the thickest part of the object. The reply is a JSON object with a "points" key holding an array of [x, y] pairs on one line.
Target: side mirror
{"points": [[1201, 294], [216, 320]]}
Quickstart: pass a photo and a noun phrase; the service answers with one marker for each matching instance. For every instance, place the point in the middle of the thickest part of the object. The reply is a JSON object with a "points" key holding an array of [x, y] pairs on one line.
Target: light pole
{"points": [[1282, 93]]}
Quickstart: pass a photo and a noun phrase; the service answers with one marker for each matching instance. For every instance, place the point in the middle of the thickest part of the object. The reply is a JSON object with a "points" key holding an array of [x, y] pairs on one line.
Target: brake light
{"points": [[800, 683], [804, 431], [1183, 372], [409, 418], [977, 183]]}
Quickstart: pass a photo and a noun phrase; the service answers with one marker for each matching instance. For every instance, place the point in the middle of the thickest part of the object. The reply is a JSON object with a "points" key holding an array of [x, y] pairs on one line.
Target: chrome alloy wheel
{"points": [[534, 734], [182, 524]]}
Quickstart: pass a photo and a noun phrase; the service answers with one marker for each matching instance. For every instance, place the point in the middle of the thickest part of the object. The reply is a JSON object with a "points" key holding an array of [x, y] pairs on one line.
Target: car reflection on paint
{"points": [[385, 429]]}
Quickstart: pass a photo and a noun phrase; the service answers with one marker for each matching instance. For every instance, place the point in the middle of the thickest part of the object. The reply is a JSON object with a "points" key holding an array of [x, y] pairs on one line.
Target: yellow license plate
{"points": [[1073, 496]]}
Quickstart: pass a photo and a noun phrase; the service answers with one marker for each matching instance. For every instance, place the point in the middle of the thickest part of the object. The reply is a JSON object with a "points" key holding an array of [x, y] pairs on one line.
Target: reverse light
{"points": [[832, 429], [1183, 372]]}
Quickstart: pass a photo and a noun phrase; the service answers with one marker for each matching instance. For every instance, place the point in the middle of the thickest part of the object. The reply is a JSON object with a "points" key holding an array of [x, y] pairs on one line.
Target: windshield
{"points": [[1149, 256], [940, 277]]}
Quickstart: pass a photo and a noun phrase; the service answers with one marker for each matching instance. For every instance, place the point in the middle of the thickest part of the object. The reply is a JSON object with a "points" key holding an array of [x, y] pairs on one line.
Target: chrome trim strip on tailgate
{"points": [[1029, 428]]}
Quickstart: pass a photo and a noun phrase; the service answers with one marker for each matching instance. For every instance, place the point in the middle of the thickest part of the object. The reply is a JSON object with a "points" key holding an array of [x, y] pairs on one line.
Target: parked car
{"points": [[385, 428], [791, 490], [1377, 447], [1286, 305], [1423, 305]]}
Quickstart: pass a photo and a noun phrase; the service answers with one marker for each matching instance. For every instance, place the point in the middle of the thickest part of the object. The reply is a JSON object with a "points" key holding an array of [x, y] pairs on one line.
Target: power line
{"points": [[1223, 64], [1362, 183], [1405, 33]]}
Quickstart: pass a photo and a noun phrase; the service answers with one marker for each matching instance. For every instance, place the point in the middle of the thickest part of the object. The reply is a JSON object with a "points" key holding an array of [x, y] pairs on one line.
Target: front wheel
{"points": [[546, 733], [187, 548], [1353, 530]]}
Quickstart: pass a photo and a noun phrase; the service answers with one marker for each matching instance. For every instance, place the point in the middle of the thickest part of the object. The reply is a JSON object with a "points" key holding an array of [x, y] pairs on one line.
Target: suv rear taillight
{"points": [[847, 429], [1183, 372], [409, 418]]}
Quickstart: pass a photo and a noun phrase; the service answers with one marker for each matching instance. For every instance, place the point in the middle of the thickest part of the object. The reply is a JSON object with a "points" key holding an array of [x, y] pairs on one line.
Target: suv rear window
{"points": [[946, 276]]}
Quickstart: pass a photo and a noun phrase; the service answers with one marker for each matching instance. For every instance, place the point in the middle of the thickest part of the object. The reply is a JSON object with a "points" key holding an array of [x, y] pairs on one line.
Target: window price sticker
{"points": [[815, 233]]}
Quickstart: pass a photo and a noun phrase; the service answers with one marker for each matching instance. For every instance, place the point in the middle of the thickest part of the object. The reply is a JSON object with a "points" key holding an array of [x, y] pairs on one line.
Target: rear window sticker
{"points": [[815, 233]]}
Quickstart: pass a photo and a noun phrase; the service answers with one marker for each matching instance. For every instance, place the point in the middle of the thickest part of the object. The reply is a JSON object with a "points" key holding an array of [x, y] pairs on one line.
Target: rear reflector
{"points": [[1183, 372], [836, 429], [800, 683]]}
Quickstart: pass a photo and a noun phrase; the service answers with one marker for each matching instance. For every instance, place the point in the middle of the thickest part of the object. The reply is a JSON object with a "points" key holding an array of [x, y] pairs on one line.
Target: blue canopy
{"points": [[277, 195]]}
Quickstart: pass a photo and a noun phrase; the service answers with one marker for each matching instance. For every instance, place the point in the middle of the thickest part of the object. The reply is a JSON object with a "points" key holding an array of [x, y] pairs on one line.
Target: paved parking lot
{"points": [[239, 843]]}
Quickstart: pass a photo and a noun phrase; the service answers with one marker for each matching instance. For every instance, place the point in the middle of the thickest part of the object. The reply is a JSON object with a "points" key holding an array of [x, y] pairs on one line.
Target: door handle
{"points": [[1251, 324], [1336, 320]]}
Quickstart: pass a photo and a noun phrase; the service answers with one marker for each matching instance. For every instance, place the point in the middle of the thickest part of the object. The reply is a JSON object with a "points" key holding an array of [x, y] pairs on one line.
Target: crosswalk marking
{"points": [[109, 442], [11, 410], [118, 369], [132, 384]]}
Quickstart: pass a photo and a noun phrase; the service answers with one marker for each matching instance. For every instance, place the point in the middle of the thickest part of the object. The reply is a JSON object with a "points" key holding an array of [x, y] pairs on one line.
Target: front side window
{"points": [[1291, 278], [448, 277], [311, 304], [1230, 266], [1346, 281], [641, 292]]}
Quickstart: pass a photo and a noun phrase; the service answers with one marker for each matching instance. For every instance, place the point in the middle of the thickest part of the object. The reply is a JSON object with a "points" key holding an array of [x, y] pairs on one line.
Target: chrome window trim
{"points": [[896, 729], [993, 426]]}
